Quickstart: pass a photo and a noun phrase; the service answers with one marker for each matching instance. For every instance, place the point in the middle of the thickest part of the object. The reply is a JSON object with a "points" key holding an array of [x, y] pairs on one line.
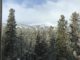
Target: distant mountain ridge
{"points": [[23, 26]]}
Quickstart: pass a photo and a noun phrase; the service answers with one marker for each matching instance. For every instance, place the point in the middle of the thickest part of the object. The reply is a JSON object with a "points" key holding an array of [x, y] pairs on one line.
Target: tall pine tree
{"points": [[75, 34], [62, 38], [10, 37], [40, 48], [52, 48]]}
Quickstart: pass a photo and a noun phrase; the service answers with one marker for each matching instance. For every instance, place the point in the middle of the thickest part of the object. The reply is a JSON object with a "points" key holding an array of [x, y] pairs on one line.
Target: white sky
{"points": [[47, 13]]}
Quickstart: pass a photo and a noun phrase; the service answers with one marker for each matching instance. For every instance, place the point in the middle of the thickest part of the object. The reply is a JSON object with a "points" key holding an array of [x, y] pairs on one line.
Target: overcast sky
{"points": [[40, 11]]}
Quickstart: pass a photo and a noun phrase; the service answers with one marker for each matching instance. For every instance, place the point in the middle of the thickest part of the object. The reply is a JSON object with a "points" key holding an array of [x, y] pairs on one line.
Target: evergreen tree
{"points": [[10, 37], [20, 45], [62, 38], [75, 33], [52, 48], [40, 48]]}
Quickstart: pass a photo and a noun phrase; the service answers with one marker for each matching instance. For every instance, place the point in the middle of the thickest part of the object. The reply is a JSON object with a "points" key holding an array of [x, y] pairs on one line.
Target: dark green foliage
{"points": [[62, 38], [40, 48], [52, 49], [75, 33], [41, 43], [10, 37], [74, 27]]}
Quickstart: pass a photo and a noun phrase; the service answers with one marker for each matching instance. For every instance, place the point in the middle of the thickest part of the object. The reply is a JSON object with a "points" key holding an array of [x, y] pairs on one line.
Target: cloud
{"points": [[47, 12]]}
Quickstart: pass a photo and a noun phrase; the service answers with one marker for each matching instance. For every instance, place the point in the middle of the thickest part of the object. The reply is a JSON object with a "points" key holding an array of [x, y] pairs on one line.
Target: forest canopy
{"points": [[41, 42]]}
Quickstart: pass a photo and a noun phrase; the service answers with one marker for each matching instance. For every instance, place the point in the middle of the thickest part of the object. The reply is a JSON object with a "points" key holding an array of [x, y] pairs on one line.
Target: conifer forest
{"points": [[40, 42]]}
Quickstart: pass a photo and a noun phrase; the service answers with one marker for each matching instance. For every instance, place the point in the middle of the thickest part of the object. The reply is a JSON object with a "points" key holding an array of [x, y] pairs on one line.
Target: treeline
{"points": [[42, 43]]}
